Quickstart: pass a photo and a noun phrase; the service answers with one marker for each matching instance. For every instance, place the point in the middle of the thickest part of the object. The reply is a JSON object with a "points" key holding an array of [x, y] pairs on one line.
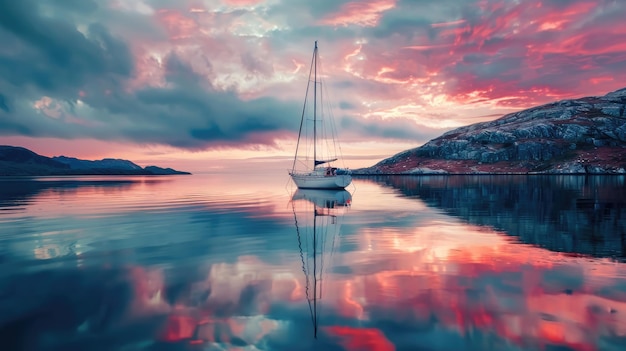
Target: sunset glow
{"points": [[177, 82]]}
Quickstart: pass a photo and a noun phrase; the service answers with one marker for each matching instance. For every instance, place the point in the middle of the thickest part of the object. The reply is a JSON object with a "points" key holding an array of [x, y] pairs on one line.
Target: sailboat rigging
{"points": [[318, 172]]}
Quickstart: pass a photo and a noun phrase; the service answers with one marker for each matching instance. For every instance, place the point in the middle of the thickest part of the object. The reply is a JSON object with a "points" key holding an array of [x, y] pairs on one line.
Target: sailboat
{"points": [[317, 146], [318, 217]]}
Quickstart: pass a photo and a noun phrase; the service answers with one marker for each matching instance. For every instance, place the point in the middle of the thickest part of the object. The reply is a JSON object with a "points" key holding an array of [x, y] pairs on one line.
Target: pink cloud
{"points": [[388, 59], [177, 25], [426, 47], [526, 46], [599, 80], [149, 70], [242, 2], [515, 55], [448, 24], [365, 13]]}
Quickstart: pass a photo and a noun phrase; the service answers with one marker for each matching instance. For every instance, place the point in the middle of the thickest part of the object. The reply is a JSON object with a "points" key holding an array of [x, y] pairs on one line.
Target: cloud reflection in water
{"points": [[410, 272]]}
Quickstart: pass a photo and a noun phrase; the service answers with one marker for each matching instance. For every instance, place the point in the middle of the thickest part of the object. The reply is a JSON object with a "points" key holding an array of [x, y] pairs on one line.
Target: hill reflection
{"points": [[575, 214], [19, 191]]}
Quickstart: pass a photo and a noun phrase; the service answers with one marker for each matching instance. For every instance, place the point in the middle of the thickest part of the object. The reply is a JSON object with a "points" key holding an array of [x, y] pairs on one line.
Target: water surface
{"points": [[220, 262]]}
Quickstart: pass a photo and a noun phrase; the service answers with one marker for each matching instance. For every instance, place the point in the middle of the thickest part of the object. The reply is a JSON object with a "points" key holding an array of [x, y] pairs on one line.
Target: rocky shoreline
{"points": [[579, 136]]}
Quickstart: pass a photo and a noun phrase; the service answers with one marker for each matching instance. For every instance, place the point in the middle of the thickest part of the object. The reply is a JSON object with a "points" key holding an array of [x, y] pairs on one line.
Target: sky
{"points": [[192, 83]]}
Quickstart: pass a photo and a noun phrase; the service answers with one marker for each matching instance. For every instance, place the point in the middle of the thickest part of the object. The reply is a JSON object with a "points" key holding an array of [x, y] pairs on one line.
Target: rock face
{"points": [[586, 135]]}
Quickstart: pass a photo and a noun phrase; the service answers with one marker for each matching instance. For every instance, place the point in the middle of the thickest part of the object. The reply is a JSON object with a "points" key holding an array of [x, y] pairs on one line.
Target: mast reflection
{"points": [[317, 216]]}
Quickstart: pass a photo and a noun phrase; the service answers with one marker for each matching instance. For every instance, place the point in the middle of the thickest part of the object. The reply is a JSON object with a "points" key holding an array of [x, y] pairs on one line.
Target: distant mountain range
{"points": [[19, 161], [578, 136]]}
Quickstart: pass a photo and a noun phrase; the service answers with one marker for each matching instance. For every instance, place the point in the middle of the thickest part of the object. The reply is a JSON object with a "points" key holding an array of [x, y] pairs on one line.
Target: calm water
{"points": [[219, 262]]}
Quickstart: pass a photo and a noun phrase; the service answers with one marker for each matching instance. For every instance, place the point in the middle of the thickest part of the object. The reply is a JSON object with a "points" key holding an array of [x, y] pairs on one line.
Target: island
{"points": [[576, 136], [19, 161]]}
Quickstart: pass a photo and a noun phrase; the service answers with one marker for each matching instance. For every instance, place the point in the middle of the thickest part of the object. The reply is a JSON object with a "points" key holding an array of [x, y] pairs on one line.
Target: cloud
{"points": [[534, 53], [78, 84], [51, 56], [231, 74], [393, 129], [516, 41], [184, 113], [360, 13]]}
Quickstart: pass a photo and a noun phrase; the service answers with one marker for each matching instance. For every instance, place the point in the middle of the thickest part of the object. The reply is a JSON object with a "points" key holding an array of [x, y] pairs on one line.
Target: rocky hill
{"points": [[106, 163], [579, 136], [18, 161]]}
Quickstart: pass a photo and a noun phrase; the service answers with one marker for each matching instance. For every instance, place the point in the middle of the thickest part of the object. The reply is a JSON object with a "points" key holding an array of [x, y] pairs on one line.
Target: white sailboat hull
{"points": [[320, 181]]}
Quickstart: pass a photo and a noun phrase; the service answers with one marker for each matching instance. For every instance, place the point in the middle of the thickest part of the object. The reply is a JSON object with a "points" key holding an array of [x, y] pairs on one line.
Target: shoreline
{"points": [[486, 174], [93, 175]]}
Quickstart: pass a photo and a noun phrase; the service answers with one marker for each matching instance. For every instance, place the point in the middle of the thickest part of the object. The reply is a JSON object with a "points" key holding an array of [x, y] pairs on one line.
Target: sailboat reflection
{"points": [[317, 215]]}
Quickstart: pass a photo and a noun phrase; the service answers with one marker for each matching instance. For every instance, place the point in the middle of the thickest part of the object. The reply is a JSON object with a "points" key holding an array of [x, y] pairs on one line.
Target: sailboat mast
{"points": [[315, 106], [315, 271]]}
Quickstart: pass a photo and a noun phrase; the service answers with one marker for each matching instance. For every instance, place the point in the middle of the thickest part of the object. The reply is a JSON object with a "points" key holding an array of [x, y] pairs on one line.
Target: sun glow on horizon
{"points": [[214, 80]]}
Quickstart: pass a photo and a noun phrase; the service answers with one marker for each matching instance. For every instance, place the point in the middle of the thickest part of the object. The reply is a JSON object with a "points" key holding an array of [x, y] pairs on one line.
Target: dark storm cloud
{"points": [[410, 19], [52, 55], [396, 128], [211, 118], [189, 114], [49, 56], [192, 115]]}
